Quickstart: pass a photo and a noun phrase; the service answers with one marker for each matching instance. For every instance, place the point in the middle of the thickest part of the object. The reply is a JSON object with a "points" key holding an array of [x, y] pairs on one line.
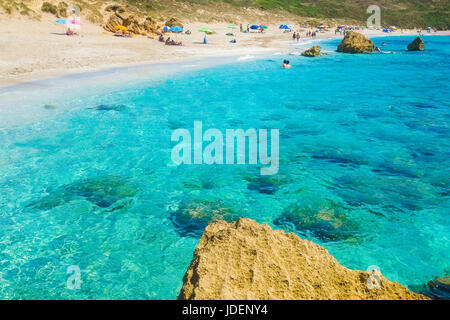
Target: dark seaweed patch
{"points": [[192, 217], [266, 188], [325, 220], [110, 107], [106, 192], [394, 171], [333, 158], [424, 106], [438, 288]]}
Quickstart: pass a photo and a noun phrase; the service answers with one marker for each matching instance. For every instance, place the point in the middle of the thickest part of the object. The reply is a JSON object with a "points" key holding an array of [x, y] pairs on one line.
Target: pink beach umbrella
{"points": [[75, 21]]}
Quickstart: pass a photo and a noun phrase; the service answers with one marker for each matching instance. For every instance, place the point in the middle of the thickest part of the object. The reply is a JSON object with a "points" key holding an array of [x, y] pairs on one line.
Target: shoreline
{"points": [[98, 51]]}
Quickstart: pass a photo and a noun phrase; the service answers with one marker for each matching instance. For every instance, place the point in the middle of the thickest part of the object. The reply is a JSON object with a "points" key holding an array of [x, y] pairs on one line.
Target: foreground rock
{"points": [[416, 45], [355, 42], [312, 52], [247, 260]]}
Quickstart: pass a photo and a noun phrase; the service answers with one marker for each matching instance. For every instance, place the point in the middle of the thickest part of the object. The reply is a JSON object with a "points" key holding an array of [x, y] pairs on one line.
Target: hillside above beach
{"points": [[401, 13]]}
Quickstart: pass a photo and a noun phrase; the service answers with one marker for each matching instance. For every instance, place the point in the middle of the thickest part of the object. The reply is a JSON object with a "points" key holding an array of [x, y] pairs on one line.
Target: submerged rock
{"points": [[312, 52], [191, 218], [247, 260], [110, 193], [266, 188], [355, 42], [439, 288], [110, 107], [416, 45], [323, 219]]}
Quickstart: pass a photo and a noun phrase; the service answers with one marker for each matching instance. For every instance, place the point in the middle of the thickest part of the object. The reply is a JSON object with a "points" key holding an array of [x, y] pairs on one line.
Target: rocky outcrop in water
{"points": [[312, 52], [355, 42], [416, 45], [247, 260]]}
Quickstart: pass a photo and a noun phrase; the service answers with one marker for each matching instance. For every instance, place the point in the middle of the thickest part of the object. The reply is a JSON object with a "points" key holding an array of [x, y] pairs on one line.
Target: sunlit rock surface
{"points": [[355, 42], [247, 260], [416, 45], [312, 52]]}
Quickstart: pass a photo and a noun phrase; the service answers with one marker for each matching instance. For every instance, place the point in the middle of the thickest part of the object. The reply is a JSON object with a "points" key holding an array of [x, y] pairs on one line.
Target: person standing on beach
{"points": [[240, 27], [293, 36], [298, 36], [248, 28]]}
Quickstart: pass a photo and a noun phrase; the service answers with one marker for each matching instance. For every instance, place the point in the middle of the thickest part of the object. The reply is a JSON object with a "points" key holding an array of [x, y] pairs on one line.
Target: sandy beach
{"points": [[40, 49]]}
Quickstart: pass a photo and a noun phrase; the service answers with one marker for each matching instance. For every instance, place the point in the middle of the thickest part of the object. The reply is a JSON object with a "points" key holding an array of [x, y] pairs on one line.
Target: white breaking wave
{"points": [[246, 57]]}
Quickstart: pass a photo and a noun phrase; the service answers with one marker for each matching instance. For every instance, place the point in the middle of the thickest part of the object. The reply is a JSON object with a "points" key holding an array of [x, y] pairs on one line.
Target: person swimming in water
{"points": [[377, 49], [286, 64]]}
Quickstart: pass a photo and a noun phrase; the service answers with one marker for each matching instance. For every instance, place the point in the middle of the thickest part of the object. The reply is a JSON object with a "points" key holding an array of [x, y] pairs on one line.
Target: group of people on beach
{"points": [[311, 33], [247, 29], [169, 42]]}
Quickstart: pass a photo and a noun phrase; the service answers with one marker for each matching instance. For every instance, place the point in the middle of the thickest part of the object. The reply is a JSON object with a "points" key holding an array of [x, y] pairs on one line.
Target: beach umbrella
{"points": [[254, 27], [176, 29], [63, 21], [205, 30], [75, 21], [264, 27], [121, 27], [232, 26]]}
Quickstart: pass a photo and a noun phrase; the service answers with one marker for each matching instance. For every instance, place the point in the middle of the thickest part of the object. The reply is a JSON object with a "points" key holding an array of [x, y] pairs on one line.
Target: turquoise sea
{"points": [[86, 177]]}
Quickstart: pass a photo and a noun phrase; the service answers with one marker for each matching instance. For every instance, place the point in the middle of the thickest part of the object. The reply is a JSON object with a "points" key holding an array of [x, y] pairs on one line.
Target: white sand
{"points": [[31, 50]]}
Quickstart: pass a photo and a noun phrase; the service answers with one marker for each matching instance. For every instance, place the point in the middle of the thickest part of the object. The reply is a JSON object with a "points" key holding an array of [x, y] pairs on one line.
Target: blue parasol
{"points": [[176, 29], [63, 21]]}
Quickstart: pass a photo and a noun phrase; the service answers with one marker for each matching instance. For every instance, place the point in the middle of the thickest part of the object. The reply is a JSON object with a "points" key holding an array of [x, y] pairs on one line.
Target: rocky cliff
{"points": [[247, 260], [133, 24]]}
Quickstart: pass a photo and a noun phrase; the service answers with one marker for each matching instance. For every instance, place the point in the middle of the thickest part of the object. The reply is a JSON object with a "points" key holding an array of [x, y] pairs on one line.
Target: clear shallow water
{"points": [[364, 171]]}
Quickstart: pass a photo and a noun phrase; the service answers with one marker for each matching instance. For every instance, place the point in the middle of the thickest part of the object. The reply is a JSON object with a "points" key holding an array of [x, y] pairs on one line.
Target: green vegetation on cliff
{"points": [[402, 13]]}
